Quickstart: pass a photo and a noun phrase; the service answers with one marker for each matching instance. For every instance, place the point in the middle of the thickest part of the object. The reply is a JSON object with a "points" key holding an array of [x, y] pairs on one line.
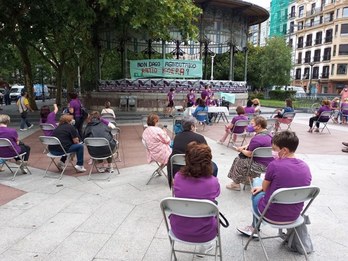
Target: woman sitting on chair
{"points": [[325, 107], [108, 109], [157, 141], [280, 113], [201, 107], [286, 171], [196, 181], [228, 128], [49, 117], [239, 168]]}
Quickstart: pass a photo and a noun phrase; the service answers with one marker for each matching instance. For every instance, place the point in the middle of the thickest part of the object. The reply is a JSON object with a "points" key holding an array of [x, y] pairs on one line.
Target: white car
{"points": [[15, 92]]}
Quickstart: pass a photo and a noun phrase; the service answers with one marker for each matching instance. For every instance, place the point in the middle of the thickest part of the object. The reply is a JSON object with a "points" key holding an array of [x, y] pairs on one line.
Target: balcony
{"points": [[309, 43], [318, 41], [327, 57], [328, 39], [292, 15]]}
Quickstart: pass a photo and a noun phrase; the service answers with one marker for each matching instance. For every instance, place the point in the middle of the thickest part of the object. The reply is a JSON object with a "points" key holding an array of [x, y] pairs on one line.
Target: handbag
{"points": [[223, 220], [24, 114]]}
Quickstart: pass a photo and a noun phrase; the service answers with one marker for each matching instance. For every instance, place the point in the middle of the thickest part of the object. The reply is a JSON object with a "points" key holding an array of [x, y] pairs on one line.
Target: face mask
{"points": [[72, 122], [275, 154]]}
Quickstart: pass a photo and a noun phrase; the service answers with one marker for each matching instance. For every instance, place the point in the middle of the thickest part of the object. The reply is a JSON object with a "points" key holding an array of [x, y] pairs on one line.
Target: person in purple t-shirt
{"points": [[230, 127], [196, 181], [49, 117], [286, 171], [205, 93], [325, 107], [190, 98], [249, 108], [75, 110], [241, 163], [12, 135], [170, 99]]}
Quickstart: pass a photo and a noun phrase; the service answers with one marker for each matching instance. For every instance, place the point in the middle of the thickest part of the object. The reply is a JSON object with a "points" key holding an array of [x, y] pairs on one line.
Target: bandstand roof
{"points": [[256, 14]]}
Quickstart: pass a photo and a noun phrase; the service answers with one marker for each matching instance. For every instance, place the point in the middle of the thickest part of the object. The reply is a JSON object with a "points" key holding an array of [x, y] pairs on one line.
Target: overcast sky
{"points": [[263, 3]]}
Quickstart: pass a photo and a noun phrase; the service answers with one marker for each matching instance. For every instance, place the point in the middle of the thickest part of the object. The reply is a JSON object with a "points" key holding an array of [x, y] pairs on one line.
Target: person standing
{"points": [[190, 98], [75, 110], [170, 99], [7, 96], [49, 117], [24, 107]]}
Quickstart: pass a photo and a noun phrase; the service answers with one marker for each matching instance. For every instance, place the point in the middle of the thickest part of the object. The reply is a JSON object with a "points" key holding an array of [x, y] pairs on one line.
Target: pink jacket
{"points": [[157, 142]]}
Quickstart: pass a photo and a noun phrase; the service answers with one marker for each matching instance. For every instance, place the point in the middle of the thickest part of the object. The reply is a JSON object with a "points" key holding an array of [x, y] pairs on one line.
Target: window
{"points": [[318, 38], [291, 29], [328, 36], [313, 9], [345, 12], [300, 26], [292, 12], [298, 74], [332, 69], [343, 49], [317, 55], [315, 73], [300, 11], [306, 73], [309, 40], [331, 17], [312, 22], [342, 68], [334, 51], [308, 57], [326, 70], [344, 29], [337, 12], [336, 29], [291, 42], [299, 58], [327, 54], [300, 42], [321, 19]]}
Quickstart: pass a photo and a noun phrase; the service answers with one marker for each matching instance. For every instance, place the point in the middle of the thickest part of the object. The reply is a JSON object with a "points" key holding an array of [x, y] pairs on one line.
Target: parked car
{"points": [[299, 90], [15, 92]]}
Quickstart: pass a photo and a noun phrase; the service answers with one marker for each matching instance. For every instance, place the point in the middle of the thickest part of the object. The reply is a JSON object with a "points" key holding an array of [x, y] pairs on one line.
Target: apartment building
{"points": [[318, 34], [258, 34]]}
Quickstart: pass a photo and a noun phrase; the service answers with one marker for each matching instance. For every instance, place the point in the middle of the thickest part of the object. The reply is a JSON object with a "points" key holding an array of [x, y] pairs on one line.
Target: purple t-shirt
{"points": [[285, 173], [204, 94], [261, 140], [324, 108], [191, 97], [76, 104], [344, 104], [51, 119], [170, 96], [12, 135], [195, 229], [249, 110], [238, 129]]}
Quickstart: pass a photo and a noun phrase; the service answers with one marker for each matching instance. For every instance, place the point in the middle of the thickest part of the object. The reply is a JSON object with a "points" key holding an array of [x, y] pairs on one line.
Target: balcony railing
{"points": [[318, 41], [309, 43], [328, 39]]}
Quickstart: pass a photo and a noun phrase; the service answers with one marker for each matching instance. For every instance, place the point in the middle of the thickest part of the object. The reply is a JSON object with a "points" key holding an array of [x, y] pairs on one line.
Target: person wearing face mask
{"points": [[257, 105], [286, 171], [241, 163], [70, 140], [181, 141]]}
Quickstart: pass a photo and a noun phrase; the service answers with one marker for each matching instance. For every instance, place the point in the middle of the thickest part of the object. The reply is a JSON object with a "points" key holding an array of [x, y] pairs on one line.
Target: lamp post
{"points": [[311, 64], [212, 67], [78, 52]]}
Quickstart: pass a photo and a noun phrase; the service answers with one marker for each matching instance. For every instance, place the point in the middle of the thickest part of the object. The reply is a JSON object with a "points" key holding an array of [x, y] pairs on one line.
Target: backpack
{"points": [[293, 242], [178, 127]]}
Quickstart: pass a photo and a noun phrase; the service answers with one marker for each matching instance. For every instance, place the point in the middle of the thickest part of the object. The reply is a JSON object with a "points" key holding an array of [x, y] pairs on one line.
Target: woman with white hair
{"points": [[12, 135]]}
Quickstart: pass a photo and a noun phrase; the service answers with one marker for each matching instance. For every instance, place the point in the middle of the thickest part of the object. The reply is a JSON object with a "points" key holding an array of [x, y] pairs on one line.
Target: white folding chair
{"points": [[191, 208], [176, 159], [107, 115], [54, 141], [159, 170], [47, 127], [287, 196], [287, 119], [110, 119], [202, 117], [261, 152], [93, 144], [324, 118], [271, 122], [6, 143], [239, 123]]}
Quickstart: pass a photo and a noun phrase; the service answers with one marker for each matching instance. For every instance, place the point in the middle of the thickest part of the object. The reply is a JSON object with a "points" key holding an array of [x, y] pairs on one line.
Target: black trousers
{"points": [[24, 148]]}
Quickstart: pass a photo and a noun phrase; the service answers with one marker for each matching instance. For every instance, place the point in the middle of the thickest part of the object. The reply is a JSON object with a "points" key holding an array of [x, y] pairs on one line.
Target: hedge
{"points": [[281, 95]]}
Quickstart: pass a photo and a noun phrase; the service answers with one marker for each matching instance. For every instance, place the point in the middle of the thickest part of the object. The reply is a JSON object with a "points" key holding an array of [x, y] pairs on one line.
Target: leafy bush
{"points": [[281, 95], [258, 95]]}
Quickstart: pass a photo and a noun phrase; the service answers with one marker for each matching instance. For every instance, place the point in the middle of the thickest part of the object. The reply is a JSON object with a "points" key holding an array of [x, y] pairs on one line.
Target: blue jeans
{"points": [[257, 182], [77, 148], [24, 122]]}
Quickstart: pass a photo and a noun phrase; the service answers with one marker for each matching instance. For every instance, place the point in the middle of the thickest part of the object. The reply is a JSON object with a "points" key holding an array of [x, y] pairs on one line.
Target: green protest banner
{"points": [[165, 68]]}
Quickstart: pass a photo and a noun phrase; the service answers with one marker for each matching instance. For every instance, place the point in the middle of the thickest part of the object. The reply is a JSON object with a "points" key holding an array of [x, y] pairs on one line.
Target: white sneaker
{"points": [[109, 169], [24, 171], [205, 249], [219, 142], [23, 129], [248, 230], [32, 125], [80, 168], [61, 165]]}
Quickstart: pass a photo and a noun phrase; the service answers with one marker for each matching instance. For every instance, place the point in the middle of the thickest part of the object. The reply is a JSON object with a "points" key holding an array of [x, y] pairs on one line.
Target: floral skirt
{"points": [[239, 169]]}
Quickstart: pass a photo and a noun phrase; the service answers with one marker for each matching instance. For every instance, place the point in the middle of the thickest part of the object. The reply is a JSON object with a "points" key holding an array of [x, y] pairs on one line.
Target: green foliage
{"points": [[281, 95], [258, 95]]}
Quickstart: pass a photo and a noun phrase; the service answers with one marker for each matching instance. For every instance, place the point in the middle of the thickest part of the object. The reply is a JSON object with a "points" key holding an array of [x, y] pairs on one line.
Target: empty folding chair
{"points": [[94, 147], [324, 119], [177, 160], [287, 196], [6, 143], [190, 208], [238, 124], [49, 140], [159, 170]]}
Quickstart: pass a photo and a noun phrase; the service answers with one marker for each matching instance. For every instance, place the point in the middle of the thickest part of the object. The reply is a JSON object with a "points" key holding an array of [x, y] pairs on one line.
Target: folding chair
{"points": [[20, 156], [50, 140], [107, 115], [287, 119], [159, 171], [47, 127], [288, 196], [324, 118], [239, 123], [202, 117], [116, 134], [95, 143], [261, 152], [271, 122], [191, 208], [176, 159]]}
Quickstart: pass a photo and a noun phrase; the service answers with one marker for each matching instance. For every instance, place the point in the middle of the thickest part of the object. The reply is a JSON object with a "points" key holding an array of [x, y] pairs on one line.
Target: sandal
{"points": [[233, 186]]}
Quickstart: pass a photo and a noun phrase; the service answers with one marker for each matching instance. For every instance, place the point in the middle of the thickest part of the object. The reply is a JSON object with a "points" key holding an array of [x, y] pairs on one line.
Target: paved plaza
{"points": [[77, 219]]}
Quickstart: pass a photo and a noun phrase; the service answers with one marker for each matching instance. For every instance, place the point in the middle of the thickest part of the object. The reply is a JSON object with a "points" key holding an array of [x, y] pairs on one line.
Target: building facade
{"points": [[258, 34], [279, 18], [318, 34]]}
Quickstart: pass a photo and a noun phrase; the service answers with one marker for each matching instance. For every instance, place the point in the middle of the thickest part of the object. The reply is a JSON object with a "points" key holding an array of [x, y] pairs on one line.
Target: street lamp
{"points": [[311, 64], [212, 67], [78, 52]]}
